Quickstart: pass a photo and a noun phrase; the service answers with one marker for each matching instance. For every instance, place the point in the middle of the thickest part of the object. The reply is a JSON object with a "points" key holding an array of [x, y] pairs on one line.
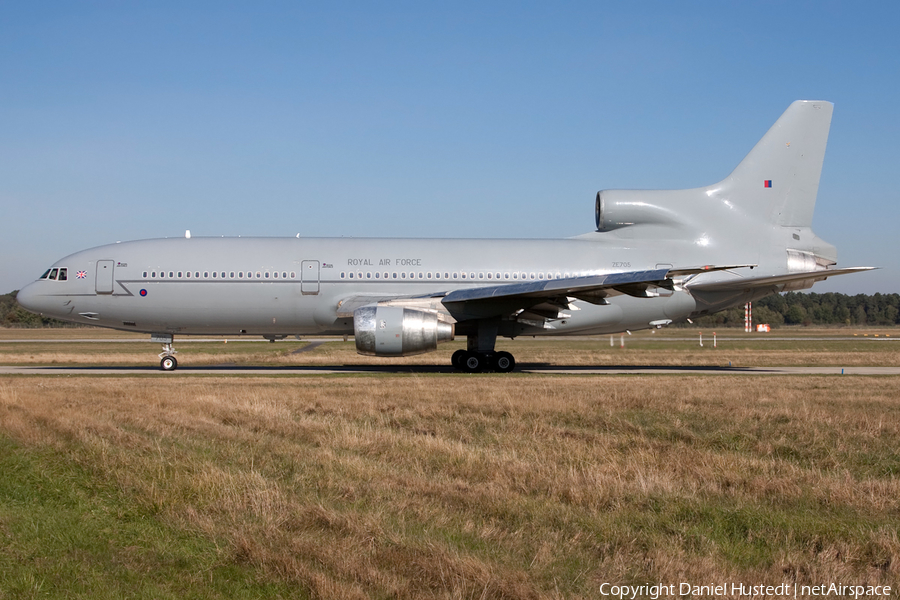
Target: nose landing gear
{"points": [[167, 360]]}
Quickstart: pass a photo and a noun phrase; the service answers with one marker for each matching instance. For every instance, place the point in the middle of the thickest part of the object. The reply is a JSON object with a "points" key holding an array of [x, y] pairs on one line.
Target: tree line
{"points": [[796, 308], [791, 308]]}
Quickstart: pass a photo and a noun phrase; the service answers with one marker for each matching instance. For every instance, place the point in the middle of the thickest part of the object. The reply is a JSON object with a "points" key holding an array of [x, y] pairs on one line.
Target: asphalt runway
{"points": [[538, 369]]}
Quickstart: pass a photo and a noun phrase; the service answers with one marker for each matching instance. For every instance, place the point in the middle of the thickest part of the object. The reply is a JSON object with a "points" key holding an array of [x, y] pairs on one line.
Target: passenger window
{"points": [[489, 276], [215, 274], [428, 275], [180, 274], [368, 275], [144, 275], [188, 274], [456, 276], [471, 275], [377, 275], [395, 276], [197, 274], [293, 275], [231, 275], [506, 276], [403, 275], [153, 274], [283, 275], [540, 275], [275, 274], [463, 276], [259, 275], [351, 275], [205, 274], [171, 274]]}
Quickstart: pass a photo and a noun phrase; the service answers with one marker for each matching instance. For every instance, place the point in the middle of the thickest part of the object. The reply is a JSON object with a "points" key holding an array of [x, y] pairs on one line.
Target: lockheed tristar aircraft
{"points": [[657, 257]]}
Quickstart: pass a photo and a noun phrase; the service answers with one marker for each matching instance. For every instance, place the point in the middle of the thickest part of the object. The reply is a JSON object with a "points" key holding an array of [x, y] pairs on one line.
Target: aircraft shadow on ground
{"points": [[416, 369]]}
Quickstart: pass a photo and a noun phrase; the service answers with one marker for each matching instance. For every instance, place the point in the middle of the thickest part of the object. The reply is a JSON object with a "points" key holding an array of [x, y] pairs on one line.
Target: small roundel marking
{"points": [[143, 292]]}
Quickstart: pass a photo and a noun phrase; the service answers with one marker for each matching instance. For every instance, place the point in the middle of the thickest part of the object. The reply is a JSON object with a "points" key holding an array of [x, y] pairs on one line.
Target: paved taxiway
{"points": [[541, 369]]}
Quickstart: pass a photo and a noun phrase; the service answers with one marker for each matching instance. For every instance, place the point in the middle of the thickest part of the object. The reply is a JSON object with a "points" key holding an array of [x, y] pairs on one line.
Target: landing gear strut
{"points": [[167, 360]]}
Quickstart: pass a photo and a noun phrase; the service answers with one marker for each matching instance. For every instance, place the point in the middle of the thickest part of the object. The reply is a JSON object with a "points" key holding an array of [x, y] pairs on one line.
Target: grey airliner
{"points": [[656, 257]]}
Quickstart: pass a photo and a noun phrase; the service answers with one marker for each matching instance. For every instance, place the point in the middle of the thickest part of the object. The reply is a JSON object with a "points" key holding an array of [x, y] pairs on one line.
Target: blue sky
{"points": [[467, 119]]}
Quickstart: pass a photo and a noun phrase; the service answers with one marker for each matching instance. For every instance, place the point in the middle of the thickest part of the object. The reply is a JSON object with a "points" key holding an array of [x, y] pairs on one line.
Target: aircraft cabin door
{"points": [[309, 277], [104, 282]]}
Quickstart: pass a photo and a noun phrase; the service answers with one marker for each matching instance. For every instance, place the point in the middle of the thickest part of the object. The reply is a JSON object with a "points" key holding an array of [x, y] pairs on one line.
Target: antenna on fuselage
{"points": [[187, 234]]}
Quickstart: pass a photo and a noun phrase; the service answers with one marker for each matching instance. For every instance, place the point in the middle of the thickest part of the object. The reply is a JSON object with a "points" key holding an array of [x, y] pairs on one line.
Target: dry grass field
{"points": [[443, 486]]}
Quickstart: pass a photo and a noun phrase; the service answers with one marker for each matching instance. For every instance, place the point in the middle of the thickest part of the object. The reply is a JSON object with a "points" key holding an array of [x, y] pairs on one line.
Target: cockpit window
{"points": [[56, 274]]}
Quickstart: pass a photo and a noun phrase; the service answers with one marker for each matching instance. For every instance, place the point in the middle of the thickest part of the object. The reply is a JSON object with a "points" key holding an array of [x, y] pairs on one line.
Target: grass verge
{"points": [[450, 487]]}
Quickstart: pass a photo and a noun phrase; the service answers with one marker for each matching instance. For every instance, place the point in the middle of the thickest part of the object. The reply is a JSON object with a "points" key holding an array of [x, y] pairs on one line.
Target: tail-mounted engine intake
{"points": [[620, 208], [398, 331]]}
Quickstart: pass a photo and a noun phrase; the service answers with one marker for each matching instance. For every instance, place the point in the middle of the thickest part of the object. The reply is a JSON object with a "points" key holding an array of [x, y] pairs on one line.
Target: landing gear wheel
{"points": [[504, 362], [168, 363], [474, 362], [457, 359]]}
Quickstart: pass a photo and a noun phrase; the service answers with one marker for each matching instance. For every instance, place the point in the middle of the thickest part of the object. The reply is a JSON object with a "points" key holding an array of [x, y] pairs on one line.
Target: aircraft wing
{"points": [[537, 299], [548, 297], [799, 280]]}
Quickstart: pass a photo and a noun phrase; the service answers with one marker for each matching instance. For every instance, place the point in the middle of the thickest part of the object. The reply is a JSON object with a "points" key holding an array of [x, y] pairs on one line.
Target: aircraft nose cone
{"points": [[29, 299]]}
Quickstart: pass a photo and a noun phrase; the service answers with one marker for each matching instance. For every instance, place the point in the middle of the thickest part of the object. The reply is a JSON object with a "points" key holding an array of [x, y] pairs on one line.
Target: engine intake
{"points": [[620, 208], [398, 331]]}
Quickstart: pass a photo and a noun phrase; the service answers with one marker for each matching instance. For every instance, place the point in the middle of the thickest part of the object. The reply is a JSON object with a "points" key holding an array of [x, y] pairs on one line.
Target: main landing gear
{"points": [[479, 354], [476, 362]]}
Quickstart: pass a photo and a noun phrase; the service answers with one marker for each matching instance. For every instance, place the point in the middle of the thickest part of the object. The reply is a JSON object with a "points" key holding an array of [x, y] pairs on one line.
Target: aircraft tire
{"points": [[504, 362], [457, 359], [168, 363], [474, 362]]}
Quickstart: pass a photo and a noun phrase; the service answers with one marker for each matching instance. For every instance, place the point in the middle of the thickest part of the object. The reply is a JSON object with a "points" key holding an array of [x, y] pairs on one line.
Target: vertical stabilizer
{"points": [[779, 180]]}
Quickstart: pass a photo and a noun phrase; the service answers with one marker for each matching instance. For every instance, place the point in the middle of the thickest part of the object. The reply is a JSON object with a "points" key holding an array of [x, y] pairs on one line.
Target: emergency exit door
{"points": [[309, 277], [104, 282]]}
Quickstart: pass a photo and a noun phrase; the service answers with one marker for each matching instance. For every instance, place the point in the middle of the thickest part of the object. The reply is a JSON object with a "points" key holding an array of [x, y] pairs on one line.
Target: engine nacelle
{"points": [[620, 208], [398, 331]]}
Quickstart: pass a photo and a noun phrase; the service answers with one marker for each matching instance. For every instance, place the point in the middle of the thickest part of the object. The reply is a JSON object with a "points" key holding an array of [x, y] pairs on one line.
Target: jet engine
{"points": [[398, 331], [620, 208]]}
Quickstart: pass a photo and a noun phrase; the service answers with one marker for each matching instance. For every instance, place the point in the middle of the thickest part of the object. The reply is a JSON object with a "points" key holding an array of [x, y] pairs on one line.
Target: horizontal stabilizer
{"points": [[747, 283], [705, 269]]}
